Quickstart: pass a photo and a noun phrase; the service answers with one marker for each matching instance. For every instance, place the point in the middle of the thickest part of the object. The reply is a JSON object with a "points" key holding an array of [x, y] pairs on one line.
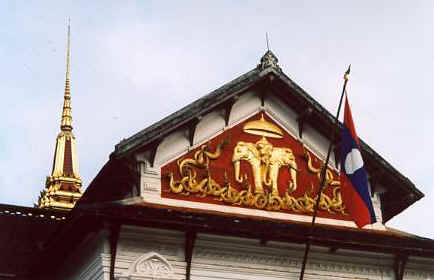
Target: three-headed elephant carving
{"points": [[266, 162]]}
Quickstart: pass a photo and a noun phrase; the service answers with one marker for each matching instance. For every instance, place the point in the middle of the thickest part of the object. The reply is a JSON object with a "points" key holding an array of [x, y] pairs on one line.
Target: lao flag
{"points": [[354, 181]]}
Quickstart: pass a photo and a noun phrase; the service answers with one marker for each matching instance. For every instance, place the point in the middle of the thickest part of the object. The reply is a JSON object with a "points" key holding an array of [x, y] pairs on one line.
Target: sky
{"points": [[135, 62]]}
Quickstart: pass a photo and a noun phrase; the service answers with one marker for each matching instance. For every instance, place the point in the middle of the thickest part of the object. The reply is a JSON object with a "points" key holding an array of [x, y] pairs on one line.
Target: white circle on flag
{"points": [[353, 161]]}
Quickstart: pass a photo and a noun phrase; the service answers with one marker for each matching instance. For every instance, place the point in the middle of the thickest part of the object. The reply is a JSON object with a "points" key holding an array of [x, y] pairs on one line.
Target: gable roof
{"points": [[400, 193]]}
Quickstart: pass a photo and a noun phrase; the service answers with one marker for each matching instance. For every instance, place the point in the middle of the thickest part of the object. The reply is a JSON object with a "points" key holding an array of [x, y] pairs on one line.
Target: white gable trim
{"points": [[211, 125]]}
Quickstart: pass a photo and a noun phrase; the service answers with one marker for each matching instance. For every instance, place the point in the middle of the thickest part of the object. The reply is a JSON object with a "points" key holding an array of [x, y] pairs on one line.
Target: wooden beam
{"points": [[190, 238], [333, 250]]}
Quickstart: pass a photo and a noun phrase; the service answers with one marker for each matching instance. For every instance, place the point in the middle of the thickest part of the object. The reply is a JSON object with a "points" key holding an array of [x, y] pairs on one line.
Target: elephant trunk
{"points": [[293, 171], [237, 167], [266, 175]]}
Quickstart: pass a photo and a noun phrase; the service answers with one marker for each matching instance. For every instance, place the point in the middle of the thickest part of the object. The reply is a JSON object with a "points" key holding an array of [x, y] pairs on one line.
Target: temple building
{"points": [[224, 188]]}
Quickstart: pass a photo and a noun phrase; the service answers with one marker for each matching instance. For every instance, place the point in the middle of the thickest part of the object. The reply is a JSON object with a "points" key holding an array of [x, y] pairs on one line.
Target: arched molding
{"points": [[171, 146], [245, 105], [208, 126], [150, 266]]}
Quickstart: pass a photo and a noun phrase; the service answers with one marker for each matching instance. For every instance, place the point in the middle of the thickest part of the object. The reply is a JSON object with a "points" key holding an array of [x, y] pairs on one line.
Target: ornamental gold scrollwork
{"points": [[266, 162], [248, 197], [189, 184], [334, 204]]}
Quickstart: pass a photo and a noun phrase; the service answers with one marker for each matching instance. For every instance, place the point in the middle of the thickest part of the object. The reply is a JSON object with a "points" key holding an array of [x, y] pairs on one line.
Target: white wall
{"points": [[167, 248], [149, 253], [219, 257]]}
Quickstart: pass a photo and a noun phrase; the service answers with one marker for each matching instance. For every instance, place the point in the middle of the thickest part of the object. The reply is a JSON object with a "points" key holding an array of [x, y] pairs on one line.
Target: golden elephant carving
{"points": [[266, 162]]}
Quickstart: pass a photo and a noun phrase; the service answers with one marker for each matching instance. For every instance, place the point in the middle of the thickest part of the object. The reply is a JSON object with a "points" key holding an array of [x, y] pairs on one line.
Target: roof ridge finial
{"points": [[66, 112], [268, 41], [269, 59]]}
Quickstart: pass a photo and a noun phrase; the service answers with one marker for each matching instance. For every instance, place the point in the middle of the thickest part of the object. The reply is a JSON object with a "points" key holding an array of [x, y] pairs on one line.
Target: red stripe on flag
{"points": [[354, 203], [348, 120]]}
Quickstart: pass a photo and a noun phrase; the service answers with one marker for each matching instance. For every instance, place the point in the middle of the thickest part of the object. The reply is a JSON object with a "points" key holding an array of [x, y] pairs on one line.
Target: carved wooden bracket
{"points": [[268, 82], [227, 108], [374, 180], [154, 147], [301, 119], [192, 129], [190, 238], [113, 239], [399, 266]]}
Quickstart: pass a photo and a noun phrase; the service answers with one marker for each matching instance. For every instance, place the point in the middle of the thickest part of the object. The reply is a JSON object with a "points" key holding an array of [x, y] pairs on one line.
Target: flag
{"points": [[354, 181]]}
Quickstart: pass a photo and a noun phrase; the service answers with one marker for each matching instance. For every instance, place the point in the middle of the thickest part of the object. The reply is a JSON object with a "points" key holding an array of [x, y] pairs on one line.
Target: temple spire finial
{"points": [[66, 123], [63, 187]]}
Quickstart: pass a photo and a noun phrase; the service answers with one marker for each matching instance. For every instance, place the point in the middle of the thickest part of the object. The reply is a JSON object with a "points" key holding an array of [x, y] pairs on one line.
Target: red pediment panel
{"points": [[255, 164]]}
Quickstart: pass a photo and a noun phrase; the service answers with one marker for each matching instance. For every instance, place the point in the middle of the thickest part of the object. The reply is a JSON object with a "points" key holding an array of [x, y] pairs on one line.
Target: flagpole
{"points": [[323, 177]]}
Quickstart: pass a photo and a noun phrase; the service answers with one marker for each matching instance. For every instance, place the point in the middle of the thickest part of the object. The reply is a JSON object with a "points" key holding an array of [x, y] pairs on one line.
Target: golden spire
{"points": [[63, 187], [65, 124]]}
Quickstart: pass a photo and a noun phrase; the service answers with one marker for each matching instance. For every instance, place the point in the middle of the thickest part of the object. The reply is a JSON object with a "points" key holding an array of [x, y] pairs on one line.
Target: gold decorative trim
{"points": [[191, 184]]}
